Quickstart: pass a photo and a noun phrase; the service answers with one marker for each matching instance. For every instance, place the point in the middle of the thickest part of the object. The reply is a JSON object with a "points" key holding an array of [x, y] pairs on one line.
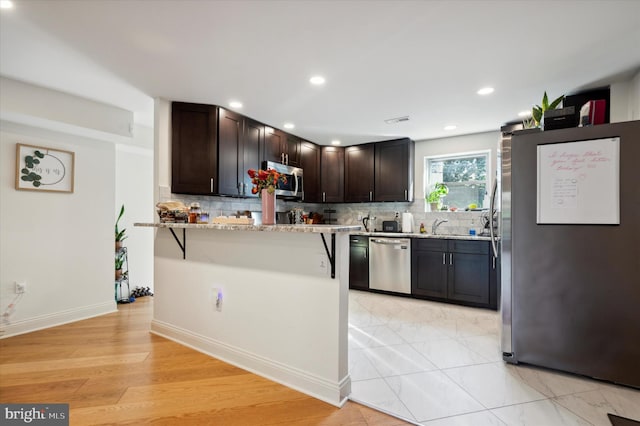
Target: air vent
{"points": [[397, 120]]}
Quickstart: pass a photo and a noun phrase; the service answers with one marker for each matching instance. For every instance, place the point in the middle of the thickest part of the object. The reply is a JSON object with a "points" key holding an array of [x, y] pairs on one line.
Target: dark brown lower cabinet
{"points": [[359, 262], [457, 271]]}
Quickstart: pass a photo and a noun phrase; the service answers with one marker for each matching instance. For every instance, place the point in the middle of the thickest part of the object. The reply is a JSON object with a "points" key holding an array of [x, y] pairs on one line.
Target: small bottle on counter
{"points": [[422, 230], [204, 217], [194, 213]]}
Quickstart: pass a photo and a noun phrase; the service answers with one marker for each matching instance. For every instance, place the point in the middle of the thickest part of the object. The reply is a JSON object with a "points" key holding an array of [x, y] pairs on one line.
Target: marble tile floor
{"points": [[437, 364]]}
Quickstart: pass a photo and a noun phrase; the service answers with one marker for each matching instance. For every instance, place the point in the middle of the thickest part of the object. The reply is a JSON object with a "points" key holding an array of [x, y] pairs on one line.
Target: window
{"points": [[466, 175]]}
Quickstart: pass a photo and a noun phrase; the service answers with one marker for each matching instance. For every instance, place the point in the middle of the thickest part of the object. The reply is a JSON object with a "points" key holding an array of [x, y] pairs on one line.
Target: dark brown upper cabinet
{"points": [[394, 170], [359, 173], [239, 142], [282, 147], [310, 164], [332, 174], [274, 145], [194, 148], [292, 150]]}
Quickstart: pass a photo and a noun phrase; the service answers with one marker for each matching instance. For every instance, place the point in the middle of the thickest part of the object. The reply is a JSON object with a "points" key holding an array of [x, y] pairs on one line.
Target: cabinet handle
{"points": [[450, 258], [287, 157], [324, 197], [239, 188], [370, 195], [494, 261], [211, 185], [406, 196], [444, 258]]}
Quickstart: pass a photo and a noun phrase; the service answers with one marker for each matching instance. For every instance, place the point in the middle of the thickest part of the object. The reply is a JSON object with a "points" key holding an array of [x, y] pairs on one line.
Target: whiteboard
{"points": [[579, 182]]}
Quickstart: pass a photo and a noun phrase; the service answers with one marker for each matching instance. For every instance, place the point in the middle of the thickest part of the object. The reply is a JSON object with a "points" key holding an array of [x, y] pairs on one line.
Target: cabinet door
{"points": [[275, 141], [229, 153], [193, 148], [358, 173], [359, 266], [394, 170], [429, 274], [292, 150], [332, 174], [468, 279], [252, 142], [310, 164]]}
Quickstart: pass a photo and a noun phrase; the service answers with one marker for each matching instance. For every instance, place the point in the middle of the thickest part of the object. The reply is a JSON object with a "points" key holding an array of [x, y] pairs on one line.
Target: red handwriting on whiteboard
{"points": [[571, 162]]}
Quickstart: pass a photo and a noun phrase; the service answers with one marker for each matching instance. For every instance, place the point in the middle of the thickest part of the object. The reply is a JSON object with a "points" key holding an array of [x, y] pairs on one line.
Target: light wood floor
{"points": [[111, 370]]}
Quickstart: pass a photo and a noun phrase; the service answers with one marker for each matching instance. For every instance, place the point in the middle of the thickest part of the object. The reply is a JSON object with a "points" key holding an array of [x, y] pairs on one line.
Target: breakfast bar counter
{"points": [[259, 297]]}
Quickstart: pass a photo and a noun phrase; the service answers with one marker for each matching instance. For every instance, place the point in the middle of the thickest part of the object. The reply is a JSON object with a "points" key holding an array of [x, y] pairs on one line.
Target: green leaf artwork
{"points": [[28, 174]]}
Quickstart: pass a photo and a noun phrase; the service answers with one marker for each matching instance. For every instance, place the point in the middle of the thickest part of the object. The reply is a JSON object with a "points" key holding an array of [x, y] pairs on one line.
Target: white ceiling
{"points": [[382, 59]]}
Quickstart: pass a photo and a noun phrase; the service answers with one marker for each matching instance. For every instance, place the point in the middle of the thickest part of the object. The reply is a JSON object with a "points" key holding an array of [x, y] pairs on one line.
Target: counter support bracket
{"points": [[183, 244], [331, 255]]}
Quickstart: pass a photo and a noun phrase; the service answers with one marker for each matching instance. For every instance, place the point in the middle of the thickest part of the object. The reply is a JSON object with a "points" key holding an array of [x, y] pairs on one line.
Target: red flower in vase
{"points": [[265, 179]]}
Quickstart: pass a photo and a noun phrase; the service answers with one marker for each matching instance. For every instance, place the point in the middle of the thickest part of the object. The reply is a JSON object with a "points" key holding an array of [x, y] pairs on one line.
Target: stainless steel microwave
{"points": [[293, 188]]}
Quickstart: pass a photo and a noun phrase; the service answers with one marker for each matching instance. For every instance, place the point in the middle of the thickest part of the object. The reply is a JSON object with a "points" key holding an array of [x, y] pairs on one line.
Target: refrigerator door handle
{"points": [[494, 243]]}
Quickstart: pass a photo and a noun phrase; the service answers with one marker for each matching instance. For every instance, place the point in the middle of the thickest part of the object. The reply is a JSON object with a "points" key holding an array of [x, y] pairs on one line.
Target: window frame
{"points": [[454, 156]]}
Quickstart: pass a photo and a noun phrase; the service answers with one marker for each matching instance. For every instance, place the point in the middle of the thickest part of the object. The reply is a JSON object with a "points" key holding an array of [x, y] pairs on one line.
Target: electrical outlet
{"points": [[21, 287], [216, 298], [321, 263]]}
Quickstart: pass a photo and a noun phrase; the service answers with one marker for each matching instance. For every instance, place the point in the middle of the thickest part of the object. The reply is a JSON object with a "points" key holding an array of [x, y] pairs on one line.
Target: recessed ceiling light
{"points": [[317, 80], [289, 125], [6, 4], [524, 113], [450, 127], [235, 104], [485, 91], [335, 142]]}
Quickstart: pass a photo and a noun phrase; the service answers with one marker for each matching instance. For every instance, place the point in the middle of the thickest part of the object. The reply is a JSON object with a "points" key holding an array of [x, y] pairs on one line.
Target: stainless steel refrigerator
{"points": [[570, 284]]}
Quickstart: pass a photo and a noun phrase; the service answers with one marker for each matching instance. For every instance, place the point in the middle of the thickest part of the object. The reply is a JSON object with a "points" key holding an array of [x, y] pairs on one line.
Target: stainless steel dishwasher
{"points": [[390, 264]]}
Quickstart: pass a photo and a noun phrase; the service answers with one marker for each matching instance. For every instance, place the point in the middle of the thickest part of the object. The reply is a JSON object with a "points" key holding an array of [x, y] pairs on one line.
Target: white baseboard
{"points": [[334, 393], [52, 320]]}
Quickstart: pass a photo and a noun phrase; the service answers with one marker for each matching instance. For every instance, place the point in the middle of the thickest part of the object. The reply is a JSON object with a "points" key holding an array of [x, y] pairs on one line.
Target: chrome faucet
{"points": [[437, 223]]}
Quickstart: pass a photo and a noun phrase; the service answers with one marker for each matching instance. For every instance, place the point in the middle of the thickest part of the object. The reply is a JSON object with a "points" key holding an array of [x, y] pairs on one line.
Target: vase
{"points": [[434, 206], [268, 207]]}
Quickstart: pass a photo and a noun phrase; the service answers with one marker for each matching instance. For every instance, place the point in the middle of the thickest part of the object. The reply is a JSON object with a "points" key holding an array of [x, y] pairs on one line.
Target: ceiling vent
{"points": [[397, 120]]}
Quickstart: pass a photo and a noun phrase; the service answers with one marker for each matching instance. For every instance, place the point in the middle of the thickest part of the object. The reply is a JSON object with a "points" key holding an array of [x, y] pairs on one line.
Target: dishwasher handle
{"points": [[390, 242]]}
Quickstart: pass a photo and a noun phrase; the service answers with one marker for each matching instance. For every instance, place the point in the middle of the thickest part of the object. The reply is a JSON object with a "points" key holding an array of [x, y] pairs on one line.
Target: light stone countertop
{"points": [[316, 229], [418, 235]]}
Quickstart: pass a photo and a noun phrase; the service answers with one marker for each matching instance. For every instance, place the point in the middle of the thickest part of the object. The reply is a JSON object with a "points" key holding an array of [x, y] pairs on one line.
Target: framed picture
{"points": [[44, 169]]}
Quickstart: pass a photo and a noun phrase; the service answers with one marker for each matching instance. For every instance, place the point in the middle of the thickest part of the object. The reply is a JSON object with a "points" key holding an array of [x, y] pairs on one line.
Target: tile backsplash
{"points": [[459, 223]]}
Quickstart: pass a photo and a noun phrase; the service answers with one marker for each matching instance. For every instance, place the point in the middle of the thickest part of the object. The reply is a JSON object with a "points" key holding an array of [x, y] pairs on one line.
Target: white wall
{"points": [[62, 244], [634, 98], [134, 189], [26, 101]]}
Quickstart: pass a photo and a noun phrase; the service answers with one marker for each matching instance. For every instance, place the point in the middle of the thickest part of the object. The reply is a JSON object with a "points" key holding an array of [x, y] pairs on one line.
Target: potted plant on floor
{"points": [[119, 264], [435, 196], [120, 234]]}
